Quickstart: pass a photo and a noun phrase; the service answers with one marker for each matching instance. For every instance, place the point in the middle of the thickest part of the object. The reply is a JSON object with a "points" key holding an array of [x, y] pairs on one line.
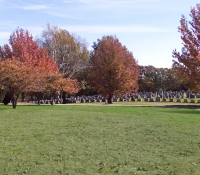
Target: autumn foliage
{"points": [[14, 78], [24, 67], [187, 63], [113, 69], [56, 83], [68, 51]]}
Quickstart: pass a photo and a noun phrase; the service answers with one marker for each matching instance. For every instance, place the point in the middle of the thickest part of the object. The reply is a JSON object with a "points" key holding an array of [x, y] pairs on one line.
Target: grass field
{"points": [[91, 140]]}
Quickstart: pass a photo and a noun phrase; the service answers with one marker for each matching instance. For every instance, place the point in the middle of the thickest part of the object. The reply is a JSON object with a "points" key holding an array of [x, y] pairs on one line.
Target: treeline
{"points": [[59, 62], [152, 79]]}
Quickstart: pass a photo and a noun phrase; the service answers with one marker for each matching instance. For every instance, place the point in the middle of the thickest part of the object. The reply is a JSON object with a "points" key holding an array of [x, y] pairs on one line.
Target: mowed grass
{"points": [[91, 140]]}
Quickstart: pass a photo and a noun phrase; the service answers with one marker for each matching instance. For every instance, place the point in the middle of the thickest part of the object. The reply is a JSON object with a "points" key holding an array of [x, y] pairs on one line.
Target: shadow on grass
{"points": [[185, 109], [181, 106]]}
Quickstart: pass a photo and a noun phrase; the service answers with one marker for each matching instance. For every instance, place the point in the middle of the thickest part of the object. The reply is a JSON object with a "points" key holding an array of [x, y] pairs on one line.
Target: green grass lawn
{"points": [[91, 140]]}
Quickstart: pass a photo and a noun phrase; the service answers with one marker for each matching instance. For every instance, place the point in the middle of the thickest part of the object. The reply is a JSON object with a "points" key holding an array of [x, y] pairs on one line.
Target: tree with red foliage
{"points": [[15, 78], [32, 63], [187, 63], [24, 49], [24, 60], [113, 69], [56, 83]]}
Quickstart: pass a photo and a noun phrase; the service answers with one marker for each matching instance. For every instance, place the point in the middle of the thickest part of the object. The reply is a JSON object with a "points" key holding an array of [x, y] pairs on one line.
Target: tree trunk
{"points": [[23, 96], [14, 101], [64, 95], [52, 99], [14, 104], [109, 99], [7, 98], [38, 101], [38, 98]]}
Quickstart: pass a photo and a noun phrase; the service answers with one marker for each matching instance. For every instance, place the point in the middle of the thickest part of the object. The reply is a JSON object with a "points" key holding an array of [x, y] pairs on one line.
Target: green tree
{"points": [[151, 79]]}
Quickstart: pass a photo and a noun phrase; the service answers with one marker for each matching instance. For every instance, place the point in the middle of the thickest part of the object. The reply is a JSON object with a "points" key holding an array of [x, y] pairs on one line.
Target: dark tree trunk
{"points": [[38, 98], [109, 99], [52, 99], [7, 98], [14, 104], [64, 95], [14, 101], [23, 96]]}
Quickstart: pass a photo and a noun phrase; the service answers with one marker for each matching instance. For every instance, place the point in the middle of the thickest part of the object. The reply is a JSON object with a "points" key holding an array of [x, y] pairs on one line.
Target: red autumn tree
{"points": [[55, 83], [42, 72], [113, 69], [187, 63], [14, 78], [36, 63], [24, 49]]}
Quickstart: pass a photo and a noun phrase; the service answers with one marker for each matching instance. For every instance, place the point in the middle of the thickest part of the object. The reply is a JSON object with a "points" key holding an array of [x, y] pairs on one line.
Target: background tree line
{"points": [[152, 79], [60, 62]]}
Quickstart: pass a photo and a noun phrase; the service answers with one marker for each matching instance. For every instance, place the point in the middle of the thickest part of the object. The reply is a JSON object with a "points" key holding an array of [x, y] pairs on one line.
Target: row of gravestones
{"points": [[56, 101], [169, 96], [120, 100]]}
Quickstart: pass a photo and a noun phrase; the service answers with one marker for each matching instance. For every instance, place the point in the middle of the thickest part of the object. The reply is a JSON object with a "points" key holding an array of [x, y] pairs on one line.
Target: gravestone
{"points": [[198, 95], [149, 95], [87, 100], [192, 101], [188, 93], [114, 99], [164, 99], [98, 100], [157, 99], [151, 100], [132, 99], [91, 100]]}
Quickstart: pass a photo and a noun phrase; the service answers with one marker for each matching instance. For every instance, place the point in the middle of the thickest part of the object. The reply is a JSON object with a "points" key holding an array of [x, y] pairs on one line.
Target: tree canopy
{"points": [[152, 79], [113, 69], [68, 51], [187, 62], [24, 67]]}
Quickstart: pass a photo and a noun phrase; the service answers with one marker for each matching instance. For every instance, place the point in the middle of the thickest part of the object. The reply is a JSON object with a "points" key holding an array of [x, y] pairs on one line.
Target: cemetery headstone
{"points": [[157, 99], [151, 100], [192, 101]]}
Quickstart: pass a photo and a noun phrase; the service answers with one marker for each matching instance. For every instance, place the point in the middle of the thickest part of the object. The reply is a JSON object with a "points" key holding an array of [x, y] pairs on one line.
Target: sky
{"points": [[148, 28]]}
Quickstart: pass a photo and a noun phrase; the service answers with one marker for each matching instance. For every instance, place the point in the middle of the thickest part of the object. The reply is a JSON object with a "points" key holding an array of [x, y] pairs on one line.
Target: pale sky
{"points": [[148, 28]]}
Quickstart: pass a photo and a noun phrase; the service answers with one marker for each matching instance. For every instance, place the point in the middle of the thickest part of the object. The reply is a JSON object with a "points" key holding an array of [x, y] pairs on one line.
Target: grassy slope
{"points": [[99, 140]]}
